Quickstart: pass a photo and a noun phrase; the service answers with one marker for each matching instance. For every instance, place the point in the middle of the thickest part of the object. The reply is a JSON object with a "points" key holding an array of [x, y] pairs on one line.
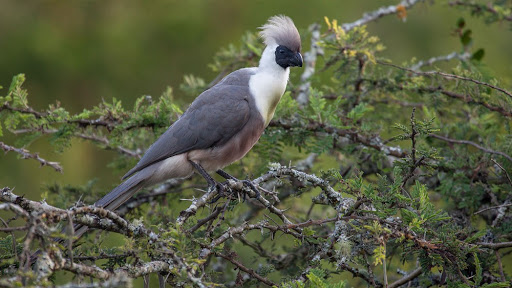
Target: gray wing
{"points": [[211, 120]]}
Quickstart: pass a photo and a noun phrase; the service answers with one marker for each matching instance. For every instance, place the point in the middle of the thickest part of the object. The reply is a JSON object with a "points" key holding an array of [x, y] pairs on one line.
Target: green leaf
{"points": [[359, 111], [478, 267], [461, 23], [478, 55], [466, 39], [316, 277], [17, 81]]}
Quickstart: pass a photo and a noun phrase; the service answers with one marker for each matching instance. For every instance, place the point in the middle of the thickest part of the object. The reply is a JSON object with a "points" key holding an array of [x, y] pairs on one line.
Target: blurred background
{"points": [[79, 52]]}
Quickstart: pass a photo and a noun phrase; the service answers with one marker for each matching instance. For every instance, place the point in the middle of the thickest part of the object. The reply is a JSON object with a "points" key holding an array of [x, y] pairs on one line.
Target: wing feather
{"points": [[212, 119]]}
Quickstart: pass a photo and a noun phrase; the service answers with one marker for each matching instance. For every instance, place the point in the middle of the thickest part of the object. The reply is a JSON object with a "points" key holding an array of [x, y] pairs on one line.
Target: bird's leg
{"points": [[249, 183], [212, 184]]}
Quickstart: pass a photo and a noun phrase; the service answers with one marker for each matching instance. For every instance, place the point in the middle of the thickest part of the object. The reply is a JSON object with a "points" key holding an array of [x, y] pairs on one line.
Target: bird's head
{"points": [[280, 32]]}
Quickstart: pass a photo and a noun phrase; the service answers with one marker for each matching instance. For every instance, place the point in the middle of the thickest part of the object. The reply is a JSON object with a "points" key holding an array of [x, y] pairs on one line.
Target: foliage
{"points": [[413, 163]]}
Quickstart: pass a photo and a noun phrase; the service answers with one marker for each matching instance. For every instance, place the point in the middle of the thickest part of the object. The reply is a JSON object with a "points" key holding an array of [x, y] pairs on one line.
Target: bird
{"points": [[222, 124]]}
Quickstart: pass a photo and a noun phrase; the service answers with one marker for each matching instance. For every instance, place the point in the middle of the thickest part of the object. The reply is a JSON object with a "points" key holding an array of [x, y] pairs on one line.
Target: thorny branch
{"points": [[371, 141], [25, 154], [479, 8], [249, 271], [348, 210], [448, 76], [406, 279], [486, 150], [454, 55], [469, 99]]}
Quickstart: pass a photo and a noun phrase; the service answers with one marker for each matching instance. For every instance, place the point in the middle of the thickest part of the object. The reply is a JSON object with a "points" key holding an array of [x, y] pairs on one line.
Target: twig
{"points": [[11, 229], [25, 154], [94, 217], [495, 246], [383, 11], [240, 230], [487, 150], [27, 110], [354, 136], [39, 115], [477, 8], [448, 76], [500, 265], [493, 207], [207, 219], [106, 142], [103, 255], [406, 279], [504, 170], [470, 100], [334, 196], [247, 270], [454, 55], [196, 204]]}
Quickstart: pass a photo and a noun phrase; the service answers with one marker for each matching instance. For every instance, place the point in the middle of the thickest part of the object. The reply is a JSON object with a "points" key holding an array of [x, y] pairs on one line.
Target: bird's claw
{"points": [[251, 185], [220, 187]]}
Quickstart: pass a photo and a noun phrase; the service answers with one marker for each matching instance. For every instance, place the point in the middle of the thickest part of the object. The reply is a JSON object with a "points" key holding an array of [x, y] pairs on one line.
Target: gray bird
{"points": [[222, 124]]}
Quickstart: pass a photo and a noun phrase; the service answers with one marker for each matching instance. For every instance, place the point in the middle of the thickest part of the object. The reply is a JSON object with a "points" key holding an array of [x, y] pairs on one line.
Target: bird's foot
{"points": [[239, 185], [221, 189], [247, 183], [251, 186]]}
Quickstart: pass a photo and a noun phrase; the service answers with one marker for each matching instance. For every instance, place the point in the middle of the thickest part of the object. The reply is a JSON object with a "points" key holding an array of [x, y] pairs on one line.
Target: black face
{"points": [[286, 58]]}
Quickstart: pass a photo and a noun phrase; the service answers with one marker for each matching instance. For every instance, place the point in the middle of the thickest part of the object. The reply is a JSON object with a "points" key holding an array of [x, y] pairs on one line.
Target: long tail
{"points": [[111, 201], [116, 198]]}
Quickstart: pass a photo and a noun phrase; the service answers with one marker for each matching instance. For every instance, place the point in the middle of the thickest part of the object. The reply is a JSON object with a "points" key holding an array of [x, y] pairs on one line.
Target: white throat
{"points": [[268, 84]]}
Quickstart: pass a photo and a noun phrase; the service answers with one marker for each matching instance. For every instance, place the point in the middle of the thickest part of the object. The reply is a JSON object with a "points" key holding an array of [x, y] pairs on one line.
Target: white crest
{"points": [[280, 30]]}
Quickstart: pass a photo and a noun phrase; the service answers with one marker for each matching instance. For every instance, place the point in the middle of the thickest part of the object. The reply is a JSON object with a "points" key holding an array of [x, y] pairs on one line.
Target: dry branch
{"points": [[25, 154], [383, 11], [486, 150]]}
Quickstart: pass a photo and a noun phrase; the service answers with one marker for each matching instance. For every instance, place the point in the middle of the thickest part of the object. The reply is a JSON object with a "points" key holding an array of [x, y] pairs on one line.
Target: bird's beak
{"points": [[297, 60]]}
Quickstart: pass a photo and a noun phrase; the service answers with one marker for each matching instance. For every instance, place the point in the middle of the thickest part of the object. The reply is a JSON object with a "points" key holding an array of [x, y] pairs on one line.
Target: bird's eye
{"points": [[281, 51]]}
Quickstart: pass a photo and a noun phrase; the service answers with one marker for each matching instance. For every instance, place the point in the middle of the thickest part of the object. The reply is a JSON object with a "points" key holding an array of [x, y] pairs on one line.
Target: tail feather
{"points": [[115, 198], [121, 193]]}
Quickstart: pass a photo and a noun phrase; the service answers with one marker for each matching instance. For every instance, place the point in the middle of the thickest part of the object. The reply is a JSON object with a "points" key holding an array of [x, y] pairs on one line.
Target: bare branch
{"points": [[486, 150], [495, 246], [25, 154], [383, 11], [478, 8], [504, 171], [106, 142], [406, 279], [27, 110], [470, 100], [246, 270], [448, 76], [493, 207], [454, 55]]}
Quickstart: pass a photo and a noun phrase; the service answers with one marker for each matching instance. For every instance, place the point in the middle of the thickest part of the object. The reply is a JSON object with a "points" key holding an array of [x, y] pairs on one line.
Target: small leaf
{"points": [[478, 55], [466, 38], [461, 23]]}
